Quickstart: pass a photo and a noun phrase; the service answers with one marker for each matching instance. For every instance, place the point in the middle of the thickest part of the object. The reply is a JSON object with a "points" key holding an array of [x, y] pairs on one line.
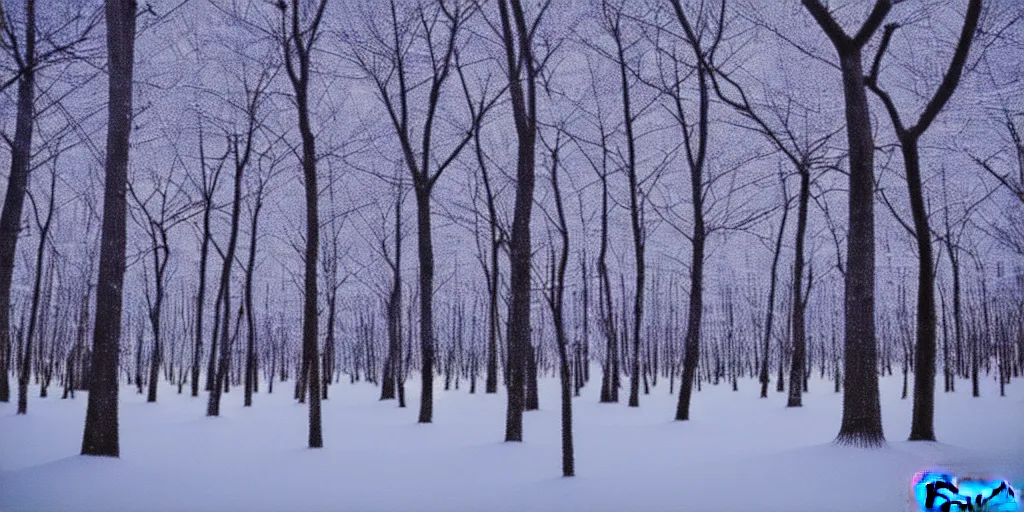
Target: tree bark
{"points": [[17, 185], [924, 367], [297, 45], [798, 368], [426, 256], [101, 419], [862, 415], [770, 314], [23, 377], [221, 375], [636, 220], [555, 300], [204, 250], [518, 45], [250, 316]]}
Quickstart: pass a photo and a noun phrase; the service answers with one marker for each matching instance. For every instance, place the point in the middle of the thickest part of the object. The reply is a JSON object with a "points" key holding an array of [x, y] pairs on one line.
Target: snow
{"points": [[738, 453]]}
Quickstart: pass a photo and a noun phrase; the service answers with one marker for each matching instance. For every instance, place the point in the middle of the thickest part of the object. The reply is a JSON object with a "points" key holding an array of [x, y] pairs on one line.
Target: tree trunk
{"points": [[691, 348], [204, 250], [392, 376], [250, 315], [309, 310], [23, 377], [221, 376], [493, 314], [524, 113], [17, 185], [426, 256], [922, 424], [100, 436], [770, 314], [862, 415], [798, 370], [609, 377]]}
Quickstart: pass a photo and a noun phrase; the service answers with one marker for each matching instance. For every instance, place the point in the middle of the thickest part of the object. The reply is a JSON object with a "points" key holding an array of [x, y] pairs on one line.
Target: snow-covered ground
{"points": [[737, 453]]}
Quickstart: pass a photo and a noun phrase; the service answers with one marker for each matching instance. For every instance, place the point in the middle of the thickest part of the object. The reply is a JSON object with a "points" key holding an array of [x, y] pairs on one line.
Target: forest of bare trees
{"points": [[663, 195]]}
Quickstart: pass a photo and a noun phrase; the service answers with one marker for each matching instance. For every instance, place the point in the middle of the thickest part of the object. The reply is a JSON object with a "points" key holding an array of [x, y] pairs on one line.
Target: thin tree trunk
{"points": [[426, 256], [770, 314], [798, 368], [23, 378], [221, 376], [250, 316]]}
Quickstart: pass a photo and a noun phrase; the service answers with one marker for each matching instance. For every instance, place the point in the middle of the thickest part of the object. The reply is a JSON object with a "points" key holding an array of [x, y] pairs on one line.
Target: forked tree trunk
{"points": [[862, 415], [517, 39]]}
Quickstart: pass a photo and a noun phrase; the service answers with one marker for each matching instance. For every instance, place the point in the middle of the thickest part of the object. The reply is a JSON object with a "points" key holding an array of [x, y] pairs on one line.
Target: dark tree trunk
{"points": [[494, 244], [161, 253], [426, 256], [947, 372], [204, 251], [770, 314], [138, 359], [393, 378], [695, 140], [23, 377], [958, 326], [555, 300], [862, 415], [609, 377], [250, 315], [517, 39], [924, 366], [17, 185], [101, 436], [922, 424], [221, 376], [636, 221], [798, 368], [211, 364], [532, 393], [298, 42], [691, 347]]}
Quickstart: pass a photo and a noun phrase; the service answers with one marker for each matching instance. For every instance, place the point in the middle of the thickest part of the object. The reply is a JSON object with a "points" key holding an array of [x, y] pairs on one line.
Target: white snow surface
{"points": [[737, 453]]}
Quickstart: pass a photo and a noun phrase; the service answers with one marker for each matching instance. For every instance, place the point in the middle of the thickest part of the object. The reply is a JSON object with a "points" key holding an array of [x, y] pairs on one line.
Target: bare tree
{"points": [[38, 48], [394, 376], [804, 153], [157, 212], [555, 293], [497, 236], [862, 415], [613, 22], [43, 221], [257, 197], [772, 282], [297, 37], [434, 30], [703, 39], [240, 148], [909, 136], [207, 185], [517, 37]]}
